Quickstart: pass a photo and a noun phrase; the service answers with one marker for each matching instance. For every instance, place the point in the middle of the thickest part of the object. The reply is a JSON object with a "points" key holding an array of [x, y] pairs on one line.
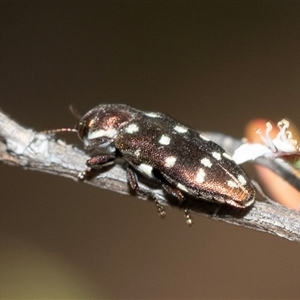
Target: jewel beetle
{"points": [[179, 158]]}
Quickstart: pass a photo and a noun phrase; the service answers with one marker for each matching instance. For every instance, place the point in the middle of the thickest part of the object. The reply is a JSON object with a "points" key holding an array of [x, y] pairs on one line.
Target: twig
{"points": [[36, 151]]}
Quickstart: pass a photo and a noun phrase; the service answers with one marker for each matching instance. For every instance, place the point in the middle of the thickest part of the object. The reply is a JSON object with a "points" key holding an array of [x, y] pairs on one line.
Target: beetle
{"points": [[180, 159]]}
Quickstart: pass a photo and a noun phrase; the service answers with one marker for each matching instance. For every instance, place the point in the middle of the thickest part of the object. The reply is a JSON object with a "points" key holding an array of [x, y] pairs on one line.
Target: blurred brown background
{"points": [[213, 66]]}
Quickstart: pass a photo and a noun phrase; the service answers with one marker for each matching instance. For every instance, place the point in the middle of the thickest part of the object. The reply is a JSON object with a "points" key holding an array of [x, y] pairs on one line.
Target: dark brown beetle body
{"points": [[160, 148]]}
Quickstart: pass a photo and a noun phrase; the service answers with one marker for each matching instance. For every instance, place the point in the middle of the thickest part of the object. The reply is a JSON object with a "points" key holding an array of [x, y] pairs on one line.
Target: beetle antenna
{"points": [[59, 130], [75, 112]]}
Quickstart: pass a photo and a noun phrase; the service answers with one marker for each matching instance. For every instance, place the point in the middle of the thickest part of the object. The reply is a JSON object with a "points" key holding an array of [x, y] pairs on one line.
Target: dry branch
{"points": [[36, 151]]}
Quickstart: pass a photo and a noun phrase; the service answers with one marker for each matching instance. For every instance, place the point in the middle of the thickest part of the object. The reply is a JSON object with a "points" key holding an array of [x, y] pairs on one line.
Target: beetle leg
{"points": [[96, 162], [133, 182], [100, 161], [178, 194], [174, 192]]}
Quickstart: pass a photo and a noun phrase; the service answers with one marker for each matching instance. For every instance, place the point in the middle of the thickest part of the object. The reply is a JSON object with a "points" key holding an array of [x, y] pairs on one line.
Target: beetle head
{"points": [[99, 126]]}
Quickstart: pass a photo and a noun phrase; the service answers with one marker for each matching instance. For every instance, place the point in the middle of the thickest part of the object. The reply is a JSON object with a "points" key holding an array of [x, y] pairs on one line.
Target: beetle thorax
{"points": [[102, 124]]}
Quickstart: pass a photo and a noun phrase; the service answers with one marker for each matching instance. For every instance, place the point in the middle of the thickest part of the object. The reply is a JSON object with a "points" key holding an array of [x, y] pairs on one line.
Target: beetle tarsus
{"points": [[161, 211], [133, 182], [188, 218]]}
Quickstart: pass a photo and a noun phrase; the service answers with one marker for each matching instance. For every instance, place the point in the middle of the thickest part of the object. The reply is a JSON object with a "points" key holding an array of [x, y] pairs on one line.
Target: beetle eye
{"points": [[81, 130]]}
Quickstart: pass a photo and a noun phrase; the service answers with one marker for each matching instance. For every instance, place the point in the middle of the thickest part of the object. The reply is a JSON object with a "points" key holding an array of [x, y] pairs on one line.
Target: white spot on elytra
{"points": [[200, 177], [227, 155], [100, 133], [182, 187], [137, 152], [152, 114], [132, 128], [206, 162], [91, 123], [232, 184], [204, 137], [216, 155], [242, 179], [180, 129], [164, 140], [146, 169], [170, 161]]}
